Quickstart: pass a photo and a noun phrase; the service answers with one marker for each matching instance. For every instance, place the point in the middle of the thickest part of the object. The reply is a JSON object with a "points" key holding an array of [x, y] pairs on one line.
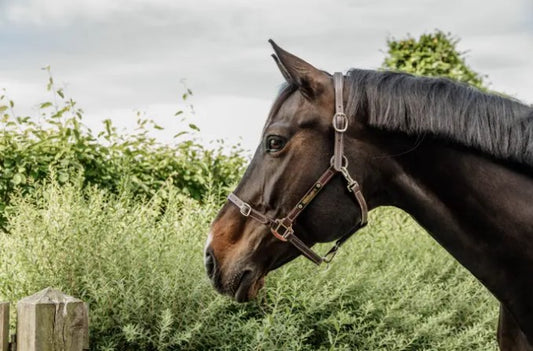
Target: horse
{"points": [[457, 159]]}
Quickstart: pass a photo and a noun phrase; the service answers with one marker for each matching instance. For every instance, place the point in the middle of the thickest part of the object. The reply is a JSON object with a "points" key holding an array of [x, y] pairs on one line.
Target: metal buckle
{"points": [[245, 209], [343, 119], [275, 229]]}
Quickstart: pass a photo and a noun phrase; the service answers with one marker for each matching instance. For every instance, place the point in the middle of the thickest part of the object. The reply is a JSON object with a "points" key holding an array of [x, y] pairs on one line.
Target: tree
{"points": [[433, 54]]}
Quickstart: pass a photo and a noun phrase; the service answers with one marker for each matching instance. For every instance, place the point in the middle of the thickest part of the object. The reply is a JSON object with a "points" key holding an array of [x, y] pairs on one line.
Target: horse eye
{"points": [[274, 143]]}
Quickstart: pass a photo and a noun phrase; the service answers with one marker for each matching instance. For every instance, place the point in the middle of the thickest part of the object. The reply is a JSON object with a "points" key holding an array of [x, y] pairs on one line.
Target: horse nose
{"points": [[210, 263]]}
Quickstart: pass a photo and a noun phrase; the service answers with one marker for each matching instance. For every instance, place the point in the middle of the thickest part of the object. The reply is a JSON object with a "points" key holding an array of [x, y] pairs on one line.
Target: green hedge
{"points": [[30, 147]]}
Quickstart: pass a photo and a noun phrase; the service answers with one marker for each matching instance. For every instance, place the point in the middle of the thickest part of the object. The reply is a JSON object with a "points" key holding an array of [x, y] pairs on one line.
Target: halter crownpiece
{"points": [[281, 228]]}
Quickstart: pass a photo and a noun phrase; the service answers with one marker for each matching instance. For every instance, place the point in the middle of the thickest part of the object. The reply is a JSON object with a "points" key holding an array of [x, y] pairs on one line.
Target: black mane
{"points": [[499, 126]]}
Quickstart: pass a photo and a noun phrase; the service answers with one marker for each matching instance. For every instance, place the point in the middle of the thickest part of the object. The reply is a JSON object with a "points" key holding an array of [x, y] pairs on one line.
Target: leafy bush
{"points": [[434, 54], [31, 147], [139, 267]]}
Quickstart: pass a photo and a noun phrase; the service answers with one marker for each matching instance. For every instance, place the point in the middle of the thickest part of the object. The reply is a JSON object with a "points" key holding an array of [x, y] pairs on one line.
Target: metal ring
{"points": [[329, 257], [344, 161]]}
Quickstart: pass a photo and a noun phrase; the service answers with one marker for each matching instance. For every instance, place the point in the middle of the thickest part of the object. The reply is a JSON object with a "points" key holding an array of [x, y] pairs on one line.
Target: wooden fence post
{"points": [[4, 326], [52, 321]]}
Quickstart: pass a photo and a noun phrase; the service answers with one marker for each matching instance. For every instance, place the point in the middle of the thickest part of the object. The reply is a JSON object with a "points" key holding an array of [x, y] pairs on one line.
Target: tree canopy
{"points": [[433, 54]]}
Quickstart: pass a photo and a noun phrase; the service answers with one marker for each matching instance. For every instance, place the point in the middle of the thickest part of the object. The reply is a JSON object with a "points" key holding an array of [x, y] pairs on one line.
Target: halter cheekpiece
{"points": [[281, 228]]}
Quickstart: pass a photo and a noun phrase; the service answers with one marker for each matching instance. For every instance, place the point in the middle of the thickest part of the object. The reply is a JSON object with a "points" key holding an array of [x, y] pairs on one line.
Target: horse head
{"points": [[257, 230]]}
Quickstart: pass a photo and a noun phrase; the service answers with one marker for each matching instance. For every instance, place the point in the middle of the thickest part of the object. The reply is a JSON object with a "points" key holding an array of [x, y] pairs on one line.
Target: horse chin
{"points": [[249, 287]]}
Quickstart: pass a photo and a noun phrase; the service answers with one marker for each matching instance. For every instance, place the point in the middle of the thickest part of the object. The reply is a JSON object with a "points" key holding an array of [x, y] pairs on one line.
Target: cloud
{"points": [[126, 54], [58, 12]]}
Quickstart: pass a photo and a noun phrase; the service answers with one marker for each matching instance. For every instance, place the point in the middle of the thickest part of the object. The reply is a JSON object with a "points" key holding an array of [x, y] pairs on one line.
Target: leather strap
{"points": [[340, 121], [249, 211], [311, 193], [362, 203], [305, 250]]}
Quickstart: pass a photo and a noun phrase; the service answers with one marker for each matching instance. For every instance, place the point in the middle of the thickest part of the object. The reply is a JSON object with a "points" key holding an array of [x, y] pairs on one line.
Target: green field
{"points": [[139, 266]]}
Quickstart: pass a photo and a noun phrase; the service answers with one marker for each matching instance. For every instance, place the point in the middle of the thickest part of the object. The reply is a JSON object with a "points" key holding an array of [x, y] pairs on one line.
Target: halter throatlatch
{"points": [[281, 228]]}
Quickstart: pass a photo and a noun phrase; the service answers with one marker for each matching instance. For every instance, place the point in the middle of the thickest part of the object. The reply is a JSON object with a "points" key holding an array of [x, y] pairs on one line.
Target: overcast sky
{"points": [[116, 57]]}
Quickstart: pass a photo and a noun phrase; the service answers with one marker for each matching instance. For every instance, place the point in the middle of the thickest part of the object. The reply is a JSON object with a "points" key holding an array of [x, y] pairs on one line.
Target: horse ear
{"points": [[311, 82]]}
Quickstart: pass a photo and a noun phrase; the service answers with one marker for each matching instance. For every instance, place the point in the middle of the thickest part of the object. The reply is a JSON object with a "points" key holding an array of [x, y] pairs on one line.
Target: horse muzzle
{"points": [[242, 283]]}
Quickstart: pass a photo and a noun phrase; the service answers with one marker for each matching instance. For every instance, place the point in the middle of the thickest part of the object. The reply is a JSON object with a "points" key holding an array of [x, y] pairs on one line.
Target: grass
{"points": [[139, 266]]}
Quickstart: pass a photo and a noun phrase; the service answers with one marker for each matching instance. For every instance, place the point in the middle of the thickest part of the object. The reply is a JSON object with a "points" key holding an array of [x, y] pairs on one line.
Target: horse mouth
{"points": [[247, 285]]}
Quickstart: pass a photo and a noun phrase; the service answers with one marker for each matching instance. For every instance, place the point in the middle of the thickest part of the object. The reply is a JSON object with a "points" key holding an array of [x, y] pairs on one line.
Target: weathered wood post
{"points": [[4, 326], [52, 321]]}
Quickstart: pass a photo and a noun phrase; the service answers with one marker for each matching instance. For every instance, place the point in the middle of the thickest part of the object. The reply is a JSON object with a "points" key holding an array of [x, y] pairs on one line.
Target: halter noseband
{"points": [[281, 228]]}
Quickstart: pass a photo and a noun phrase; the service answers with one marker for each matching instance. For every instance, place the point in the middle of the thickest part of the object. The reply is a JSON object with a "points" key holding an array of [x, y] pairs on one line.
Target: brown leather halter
{"points": [[281, 228]]}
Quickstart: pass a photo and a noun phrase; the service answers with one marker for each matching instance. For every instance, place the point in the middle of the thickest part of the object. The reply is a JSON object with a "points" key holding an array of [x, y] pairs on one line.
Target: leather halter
{"points": [[281, 228]]}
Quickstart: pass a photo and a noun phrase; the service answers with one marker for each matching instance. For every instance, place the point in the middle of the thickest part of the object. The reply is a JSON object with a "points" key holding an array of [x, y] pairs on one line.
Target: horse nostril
{"points": [[209, 261]]}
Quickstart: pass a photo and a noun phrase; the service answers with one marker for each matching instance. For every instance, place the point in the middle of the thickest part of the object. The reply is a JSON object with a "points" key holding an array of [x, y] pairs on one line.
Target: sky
{"points": [[117, 57]]}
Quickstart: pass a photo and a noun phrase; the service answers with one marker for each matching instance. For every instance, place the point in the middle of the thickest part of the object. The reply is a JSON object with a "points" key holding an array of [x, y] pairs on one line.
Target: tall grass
{"points": [[139, 266]]}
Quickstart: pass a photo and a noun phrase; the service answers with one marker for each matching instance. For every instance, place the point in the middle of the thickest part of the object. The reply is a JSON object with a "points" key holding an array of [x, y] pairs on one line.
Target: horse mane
{"points": [[392, 101]]}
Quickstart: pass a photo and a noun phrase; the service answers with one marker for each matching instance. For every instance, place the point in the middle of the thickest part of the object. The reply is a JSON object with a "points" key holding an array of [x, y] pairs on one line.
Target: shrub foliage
{"points": [[30, 148], [433, 54], [139, 266]]}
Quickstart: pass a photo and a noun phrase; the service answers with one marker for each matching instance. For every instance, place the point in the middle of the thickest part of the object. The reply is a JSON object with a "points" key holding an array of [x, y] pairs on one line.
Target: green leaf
{"points": [[180, 134], [194, 127], [63, 178], [18, 179], [3, 108], [50, 84], [45, 104]]}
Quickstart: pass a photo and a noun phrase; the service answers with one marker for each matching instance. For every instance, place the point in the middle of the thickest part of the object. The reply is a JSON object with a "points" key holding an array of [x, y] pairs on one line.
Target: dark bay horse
{"points": [[460, 161]]}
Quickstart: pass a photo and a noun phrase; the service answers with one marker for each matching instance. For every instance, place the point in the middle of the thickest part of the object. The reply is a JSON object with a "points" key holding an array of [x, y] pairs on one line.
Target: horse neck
{"points": [[479, 210]]}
